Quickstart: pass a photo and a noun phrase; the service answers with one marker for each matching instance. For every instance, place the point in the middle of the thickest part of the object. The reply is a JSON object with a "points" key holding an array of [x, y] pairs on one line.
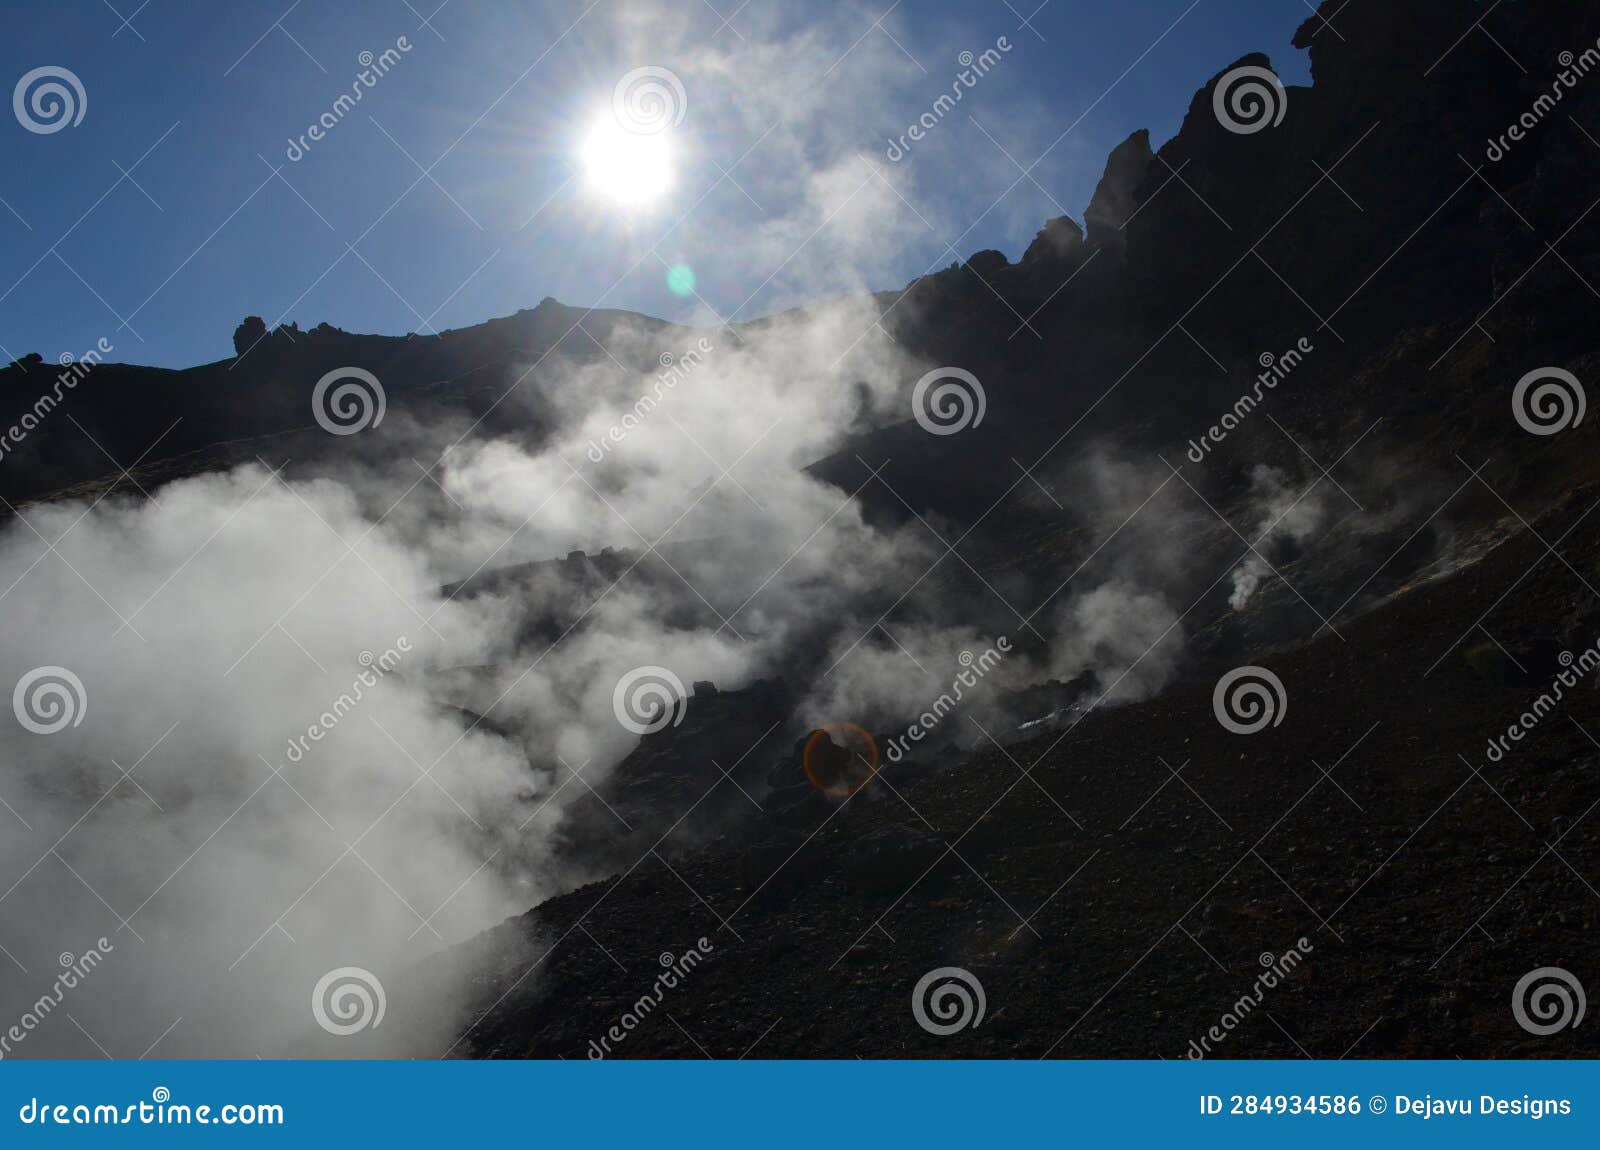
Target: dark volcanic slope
{"points": [[1114, 886], [1113, 907]]}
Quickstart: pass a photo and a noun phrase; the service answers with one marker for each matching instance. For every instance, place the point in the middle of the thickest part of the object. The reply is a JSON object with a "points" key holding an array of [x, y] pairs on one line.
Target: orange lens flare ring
{"points": [[822, 769]]}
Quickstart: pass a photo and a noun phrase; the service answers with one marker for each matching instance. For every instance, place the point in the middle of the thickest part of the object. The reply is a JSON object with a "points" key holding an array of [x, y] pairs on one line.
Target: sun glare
{"points": [[626, 167]]}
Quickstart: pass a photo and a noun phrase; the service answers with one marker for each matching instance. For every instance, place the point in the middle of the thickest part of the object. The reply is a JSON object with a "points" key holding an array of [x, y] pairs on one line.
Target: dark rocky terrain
{"points": [[1113, 883], [1113, 876], [1115, 908]]}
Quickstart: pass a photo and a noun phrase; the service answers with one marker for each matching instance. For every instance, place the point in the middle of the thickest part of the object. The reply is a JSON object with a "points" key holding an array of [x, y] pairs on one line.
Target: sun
{"points": [[628, 168]]}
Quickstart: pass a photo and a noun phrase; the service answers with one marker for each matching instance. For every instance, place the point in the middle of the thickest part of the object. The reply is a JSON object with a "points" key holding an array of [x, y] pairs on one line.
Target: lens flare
{"points": [[680, 280], [840, 759]]}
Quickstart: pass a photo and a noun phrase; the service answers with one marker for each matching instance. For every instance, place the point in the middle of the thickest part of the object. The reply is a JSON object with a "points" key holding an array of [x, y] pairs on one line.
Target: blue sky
{"points": [[157, 222]]}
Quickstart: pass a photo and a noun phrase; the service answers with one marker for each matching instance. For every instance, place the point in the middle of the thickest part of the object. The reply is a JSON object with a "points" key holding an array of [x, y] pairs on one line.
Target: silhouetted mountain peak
{"points": [[987, 262], [1058, 239], [1114, 200]]}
